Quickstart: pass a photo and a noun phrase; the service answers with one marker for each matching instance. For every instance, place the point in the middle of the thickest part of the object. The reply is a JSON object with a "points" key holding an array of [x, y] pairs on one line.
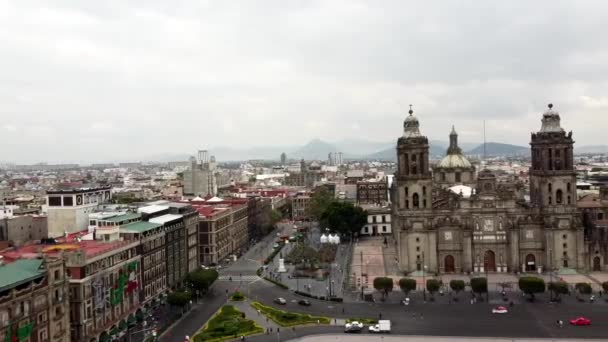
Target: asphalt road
{"points": [[525, 320], [534, 320]]}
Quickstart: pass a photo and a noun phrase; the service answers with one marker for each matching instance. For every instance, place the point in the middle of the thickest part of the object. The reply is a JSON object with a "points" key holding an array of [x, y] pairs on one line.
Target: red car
{"points": [[580, 321]]}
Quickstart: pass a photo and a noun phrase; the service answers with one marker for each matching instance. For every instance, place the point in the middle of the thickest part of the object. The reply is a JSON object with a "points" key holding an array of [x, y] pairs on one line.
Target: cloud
{"points": [[155, 78]]}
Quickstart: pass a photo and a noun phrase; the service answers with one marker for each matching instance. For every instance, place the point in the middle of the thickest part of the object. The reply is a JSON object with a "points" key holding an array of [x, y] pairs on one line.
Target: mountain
{"points": [[500, 150], [357, 147], [436, 148], [591, 149], [314, 149]]}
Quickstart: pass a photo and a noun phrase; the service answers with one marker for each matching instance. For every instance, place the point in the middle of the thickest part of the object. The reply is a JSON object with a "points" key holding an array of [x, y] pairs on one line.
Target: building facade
{"points": [[68, 210], [34, 304], [490, 228], [199, 178], [222, 232], [372, 192], [378, 221]]}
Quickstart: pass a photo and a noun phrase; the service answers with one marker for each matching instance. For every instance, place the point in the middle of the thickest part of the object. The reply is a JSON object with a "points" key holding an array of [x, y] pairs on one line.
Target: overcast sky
{"points": [[104, 80]]}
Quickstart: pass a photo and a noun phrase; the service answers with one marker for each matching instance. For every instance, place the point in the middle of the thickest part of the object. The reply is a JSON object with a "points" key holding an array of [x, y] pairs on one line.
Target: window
{"points": [[424, 190], [565, 253], [416, 201], [550, 200], [383, 218], [600, 216], [443, 176], [407, 191], [374, 219], [568, 187], [407, 204], [417, 239], [458, 176], [564, 236], [565, 245], [424, 203], [569, 200], [417, 257], [558, 196], [549, 187], [565, 263], [55, 201], [68, 201], [418, 249]]}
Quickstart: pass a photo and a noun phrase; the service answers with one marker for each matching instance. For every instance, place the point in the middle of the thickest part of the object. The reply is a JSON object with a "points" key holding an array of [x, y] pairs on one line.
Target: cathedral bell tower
{"points": [[414, 180], [552, 174]]}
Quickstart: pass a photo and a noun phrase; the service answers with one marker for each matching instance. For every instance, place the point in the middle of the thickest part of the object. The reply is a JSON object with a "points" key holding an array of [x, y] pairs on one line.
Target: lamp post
{"points": [[487, 284], [423, 278], [551, 294]]}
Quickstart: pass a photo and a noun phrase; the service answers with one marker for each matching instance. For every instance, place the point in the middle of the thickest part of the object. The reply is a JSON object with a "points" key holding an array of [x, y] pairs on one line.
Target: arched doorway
{"points": [[489, 261], [597, 264], [448, 264], [530, 263]]}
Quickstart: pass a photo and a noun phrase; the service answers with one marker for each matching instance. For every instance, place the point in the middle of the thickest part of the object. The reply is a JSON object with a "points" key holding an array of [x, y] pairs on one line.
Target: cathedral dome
{"points": [[454, 158], [454, 161], [551, 121], [411, 126]]}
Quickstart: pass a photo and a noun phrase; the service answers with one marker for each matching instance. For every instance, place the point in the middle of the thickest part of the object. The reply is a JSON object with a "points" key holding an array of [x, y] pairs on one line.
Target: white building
{"points": [[378, 221], [68, 210]]}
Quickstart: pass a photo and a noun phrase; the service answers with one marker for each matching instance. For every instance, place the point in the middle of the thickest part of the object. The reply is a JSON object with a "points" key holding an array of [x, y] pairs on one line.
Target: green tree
{"points": [[605, 286], [583, 288], [433, 285], [457, 285], [201, 280], [479, 285], [531, 286], [319, 202], [275, 217], [383, 285], [558, 288], [179, 298], [343, 218], [407, 285]]}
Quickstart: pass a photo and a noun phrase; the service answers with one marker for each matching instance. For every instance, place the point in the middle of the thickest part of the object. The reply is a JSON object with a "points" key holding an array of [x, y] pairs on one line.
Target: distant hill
{"points": [[314, 149], [436, 148], [591, 149], [494, 149]]}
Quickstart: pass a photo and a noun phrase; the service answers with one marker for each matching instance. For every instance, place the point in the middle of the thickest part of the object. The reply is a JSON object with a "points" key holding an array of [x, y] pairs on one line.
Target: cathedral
{"points": [[455, 219]]}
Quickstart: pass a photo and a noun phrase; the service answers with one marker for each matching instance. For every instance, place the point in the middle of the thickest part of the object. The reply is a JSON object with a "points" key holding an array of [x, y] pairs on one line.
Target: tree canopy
{"points": [[343, 218], [407, 285], [384, 285], [479, 285], [558, 287], [201, 280], [179, 298], [457, 285], [432, 285], [319, 202], [531, 285], [583, 288]]}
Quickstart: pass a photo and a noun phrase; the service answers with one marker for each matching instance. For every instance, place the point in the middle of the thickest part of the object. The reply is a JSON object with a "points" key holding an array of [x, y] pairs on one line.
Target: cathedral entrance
{"points": [[448, 264], [530, 263], [489, 261], [597, 264]]}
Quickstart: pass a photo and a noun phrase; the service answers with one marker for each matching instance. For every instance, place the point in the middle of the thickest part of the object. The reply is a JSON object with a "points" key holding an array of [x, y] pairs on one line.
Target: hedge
{"points": [[227, 323], [288, 319]]}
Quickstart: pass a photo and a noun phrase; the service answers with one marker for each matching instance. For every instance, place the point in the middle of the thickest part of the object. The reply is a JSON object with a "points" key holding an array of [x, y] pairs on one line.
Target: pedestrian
{"points": [[342, 309], [380, 315], [318, 322], [242, 338]]}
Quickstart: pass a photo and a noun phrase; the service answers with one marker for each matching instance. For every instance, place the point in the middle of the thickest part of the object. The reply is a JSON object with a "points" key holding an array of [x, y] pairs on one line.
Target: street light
{"points": [[423, 278], [551, 275]]}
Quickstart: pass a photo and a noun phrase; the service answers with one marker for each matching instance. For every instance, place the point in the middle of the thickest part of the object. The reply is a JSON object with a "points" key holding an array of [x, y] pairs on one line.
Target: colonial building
{"points": [[487, 227], [372, 192], [378, 220]]}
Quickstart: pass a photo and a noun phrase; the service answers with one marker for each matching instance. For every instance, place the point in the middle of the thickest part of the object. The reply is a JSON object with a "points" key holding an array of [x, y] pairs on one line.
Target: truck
{"points": [[383, 326]]}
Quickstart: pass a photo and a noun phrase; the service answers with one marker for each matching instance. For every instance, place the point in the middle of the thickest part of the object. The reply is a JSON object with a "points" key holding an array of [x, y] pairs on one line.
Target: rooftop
{"points": [[20, 272], [139, 227], [165, 218], [91, 248], [151, 209], [121, 218]]}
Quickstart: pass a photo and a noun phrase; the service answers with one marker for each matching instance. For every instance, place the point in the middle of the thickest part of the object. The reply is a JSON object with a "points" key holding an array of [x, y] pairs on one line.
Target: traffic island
{"points": [[289, 319], [237, 297], [228, 323]]}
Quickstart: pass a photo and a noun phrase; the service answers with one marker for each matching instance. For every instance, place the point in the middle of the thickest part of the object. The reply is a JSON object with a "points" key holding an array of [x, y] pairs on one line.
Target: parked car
{"points": [[353, 327], [500, 310], [304, 302], [383, 326], [280, 301], [580, 321]]}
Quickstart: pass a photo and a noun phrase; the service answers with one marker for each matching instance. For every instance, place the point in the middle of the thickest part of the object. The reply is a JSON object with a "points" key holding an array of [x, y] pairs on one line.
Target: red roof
{"points": [[90, 247]]}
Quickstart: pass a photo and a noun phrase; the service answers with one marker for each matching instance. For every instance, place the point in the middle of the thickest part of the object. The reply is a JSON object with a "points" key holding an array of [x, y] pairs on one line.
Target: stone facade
{"points": [[492, 228]]}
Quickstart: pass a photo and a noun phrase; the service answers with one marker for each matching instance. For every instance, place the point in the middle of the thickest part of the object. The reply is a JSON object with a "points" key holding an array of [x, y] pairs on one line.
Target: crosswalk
{"points": [[238, 278]]}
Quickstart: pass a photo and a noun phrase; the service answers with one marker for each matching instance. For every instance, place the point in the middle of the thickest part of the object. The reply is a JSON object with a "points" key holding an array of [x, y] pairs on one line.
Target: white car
{"points": [[353, 327], [500, 310]]}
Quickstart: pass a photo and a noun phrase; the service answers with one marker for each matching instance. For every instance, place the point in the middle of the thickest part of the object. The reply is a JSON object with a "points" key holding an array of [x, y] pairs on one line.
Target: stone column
{"points": [[513, 258], [467, 253]]}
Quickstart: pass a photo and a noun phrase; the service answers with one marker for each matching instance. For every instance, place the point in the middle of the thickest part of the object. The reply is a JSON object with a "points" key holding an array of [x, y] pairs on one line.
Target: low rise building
{"points": [[378, 220], [18, 230], [34, 303]]}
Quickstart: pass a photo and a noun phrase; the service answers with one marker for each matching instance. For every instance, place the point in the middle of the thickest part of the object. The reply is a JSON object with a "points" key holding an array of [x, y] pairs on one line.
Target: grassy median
{"points": [[227, 324], [288, 319]]}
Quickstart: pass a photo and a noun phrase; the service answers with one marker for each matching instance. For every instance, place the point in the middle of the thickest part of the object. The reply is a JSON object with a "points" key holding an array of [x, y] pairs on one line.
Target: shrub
{"points": [[432, 285], [384, 285], [227, 323], [457, 285], [531, 285], [407, 284], [558, 287], [237, 296], [479, 285], [605, 286], [583, 288]]}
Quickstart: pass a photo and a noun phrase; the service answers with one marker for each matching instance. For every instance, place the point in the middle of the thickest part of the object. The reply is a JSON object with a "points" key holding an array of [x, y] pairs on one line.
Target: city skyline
{"points": [[122, 81]]}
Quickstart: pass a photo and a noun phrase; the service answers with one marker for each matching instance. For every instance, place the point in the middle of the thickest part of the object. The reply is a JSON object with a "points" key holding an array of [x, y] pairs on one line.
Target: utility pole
{"points": [[551, 275]]}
